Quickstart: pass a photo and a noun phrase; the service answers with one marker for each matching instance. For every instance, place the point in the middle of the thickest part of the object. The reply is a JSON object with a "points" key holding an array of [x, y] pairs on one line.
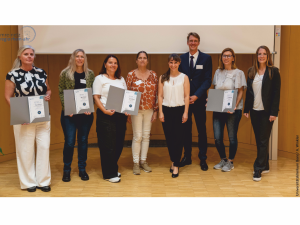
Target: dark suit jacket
{"points": [[200, 79], [270, 93]]}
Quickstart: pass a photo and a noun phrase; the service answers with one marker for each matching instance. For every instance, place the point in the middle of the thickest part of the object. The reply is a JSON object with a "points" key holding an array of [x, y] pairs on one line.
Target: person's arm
{"points": [[248, 98], [9, 90], [155, 104], [186, 98], [160, 99], [48, 93], [207, 67], [62, 87], [276, 82]]}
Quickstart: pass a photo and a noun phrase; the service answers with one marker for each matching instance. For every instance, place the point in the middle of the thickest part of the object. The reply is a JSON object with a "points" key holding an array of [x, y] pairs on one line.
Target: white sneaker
{"points": [[114, 180], [119, 174]]}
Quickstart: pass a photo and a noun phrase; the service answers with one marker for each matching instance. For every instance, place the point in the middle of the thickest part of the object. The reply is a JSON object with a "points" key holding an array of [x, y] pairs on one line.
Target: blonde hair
{"points": [[221, 64], [17, 63], [71, 68]]}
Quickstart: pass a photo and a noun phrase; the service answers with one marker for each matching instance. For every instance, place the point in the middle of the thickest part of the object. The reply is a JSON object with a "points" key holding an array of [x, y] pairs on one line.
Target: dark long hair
{"points": [[166, 75], [103, 69], [253, 70]]}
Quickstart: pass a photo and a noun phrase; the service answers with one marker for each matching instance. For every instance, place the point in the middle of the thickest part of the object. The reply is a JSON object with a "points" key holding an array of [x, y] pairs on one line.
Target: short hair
{"points": [[137, 56], [193, 34], [221, 64]]}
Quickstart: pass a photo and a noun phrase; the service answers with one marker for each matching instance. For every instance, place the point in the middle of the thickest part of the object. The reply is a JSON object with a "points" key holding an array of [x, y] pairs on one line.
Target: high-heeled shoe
{"points": [[175, 175], [171, 171]]}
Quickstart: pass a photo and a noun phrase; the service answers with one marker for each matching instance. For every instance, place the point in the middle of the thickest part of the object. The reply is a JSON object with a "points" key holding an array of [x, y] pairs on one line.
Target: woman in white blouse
{"points": [[228, 77], [110, 125], [173, 101]]}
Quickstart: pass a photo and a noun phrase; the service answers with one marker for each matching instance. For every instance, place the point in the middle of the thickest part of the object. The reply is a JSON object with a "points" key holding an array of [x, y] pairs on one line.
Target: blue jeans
{"points": [[232, 122], [82, 123]]}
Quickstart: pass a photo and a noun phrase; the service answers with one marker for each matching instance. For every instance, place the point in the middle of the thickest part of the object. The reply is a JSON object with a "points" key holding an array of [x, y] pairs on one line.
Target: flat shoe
{"points": [[31, 189]]}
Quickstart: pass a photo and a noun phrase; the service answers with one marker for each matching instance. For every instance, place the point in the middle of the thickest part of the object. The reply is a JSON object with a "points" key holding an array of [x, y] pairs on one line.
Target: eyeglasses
{"points": [[226, 56]]}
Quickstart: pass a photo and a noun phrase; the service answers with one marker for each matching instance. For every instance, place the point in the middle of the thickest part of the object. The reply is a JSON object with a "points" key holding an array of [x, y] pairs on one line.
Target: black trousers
{"points": [[111, 133], [262, 129], [199, 111], [174, 131]]}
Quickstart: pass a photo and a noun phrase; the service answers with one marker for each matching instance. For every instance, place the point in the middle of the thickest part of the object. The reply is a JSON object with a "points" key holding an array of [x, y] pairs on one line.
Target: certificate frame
{"points": [[70, 105], [215, 100], [19, 110], [115, 100]]}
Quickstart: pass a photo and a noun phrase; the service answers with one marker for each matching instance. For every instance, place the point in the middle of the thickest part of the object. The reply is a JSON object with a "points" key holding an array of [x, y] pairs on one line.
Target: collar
{"points": [[195, 55]]}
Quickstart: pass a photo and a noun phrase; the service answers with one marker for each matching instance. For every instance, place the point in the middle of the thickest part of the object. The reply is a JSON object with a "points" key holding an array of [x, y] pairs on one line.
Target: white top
{"points": [[174, 91], [230, 80], [257, 85], [101, 86], [194, 59]]}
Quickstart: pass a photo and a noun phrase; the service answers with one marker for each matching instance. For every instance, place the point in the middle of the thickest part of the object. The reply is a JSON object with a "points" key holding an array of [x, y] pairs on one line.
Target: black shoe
{"points": [[31, 189], [45, 188], [175, 175], [203, 165], [185, 161], [66, 176], [257, 175], [171, 171], [84, 175]]}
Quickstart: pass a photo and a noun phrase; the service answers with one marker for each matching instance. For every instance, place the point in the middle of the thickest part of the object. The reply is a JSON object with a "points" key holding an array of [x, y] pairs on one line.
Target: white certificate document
{"points": [[129, 101], [227, 99], [81, 99], [36, 107]]}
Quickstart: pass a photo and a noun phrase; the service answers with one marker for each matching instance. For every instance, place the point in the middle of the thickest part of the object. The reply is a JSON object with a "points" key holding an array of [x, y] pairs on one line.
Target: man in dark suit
{"points": [[198, 67]]}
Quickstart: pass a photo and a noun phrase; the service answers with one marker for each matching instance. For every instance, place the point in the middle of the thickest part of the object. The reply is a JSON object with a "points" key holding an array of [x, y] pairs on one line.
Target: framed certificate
{"points": [[221, 100], [30, 109], [78, 101], [123, 100]]}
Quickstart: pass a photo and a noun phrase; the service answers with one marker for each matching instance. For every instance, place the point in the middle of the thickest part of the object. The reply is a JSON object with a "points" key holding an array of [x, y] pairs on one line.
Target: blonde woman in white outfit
{"points": [[27, 80]]}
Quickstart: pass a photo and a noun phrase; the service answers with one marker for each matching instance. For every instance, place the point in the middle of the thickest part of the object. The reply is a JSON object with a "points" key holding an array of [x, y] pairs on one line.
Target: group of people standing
{"points": [[172, 97]]}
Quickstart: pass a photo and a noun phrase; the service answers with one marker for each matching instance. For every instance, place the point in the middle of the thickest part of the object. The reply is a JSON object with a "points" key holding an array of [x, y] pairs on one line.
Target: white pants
{"points": [[33, 172], [141, 126]]}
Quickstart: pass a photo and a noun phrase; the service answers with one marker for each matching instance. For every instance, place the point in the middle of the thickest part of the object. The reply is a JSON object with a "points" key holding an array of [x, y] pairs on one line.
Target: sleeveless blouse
{"points": [[173, 91]]}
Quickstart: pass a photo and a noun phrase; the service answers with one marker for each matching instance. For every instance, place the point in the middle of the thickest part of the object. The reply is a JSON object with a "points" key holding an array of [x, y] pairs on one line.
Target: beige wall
{"points": [[53, 64]]}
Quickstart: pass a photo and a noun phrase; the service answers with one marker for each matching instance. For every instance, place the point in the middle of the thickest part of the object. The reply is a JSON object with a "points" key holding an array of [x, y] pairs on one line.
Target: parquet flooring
{"points": [[192, 181]]}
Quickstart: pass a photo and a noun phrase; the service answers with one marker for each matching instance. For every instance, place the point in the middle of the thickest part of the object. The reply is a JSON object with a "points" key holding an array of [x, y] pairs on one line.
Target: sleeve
{"points": [[124, 83], [248, 97], [10, 77], [129, 80], [276, 82], [155, 106], [240, 80], [62, 87], [97, 86], [90, 79], [214, 82], [207, 78]]}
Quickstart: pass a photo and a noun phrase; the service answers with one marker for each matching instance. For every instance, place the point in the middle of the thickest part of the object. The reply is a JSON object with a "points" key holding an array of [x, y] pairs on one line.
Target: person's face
{"points": [[27, 57], [262, 56], [79, 59], [173, 65], [111, 65], [193, 43], [142, 60], [227, 58]]}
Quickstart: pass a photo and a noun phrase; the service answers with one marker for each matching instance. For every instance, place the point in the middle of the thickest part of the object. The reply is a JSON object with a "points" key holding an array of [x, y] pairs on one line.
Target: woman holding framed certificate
{"points": [[173, 101], [27, 80], [262, 101], [228, 77], [146, 82], [76, 75], [110, 125]]}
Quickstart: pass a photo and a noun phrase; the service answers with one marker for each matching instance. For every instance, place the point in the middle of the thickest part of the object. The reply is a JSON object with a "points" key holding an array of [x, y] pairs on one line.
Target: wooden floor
{"points": [[192, 182]]}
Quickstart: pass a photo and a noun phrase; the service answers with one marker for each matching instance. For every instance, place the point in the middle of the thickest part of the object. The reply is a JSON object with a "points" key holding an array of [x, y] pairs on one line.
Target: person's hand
{"points": [[110, 112], [127, 114], [71, 115], [193, 99], [184, 117], [154, 117], [247, 115], [161, 117], [206, 102], [25, 123], [272, 118], [129, 119], [231, 112], [47, 98], [87, 113]]}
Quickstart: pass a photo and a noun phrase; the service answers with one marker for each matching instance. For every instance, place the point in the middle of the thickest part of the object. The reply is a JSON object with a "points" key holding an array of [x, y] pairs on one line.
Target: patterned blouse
{"points": [[28, 83], [148, 88]]}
